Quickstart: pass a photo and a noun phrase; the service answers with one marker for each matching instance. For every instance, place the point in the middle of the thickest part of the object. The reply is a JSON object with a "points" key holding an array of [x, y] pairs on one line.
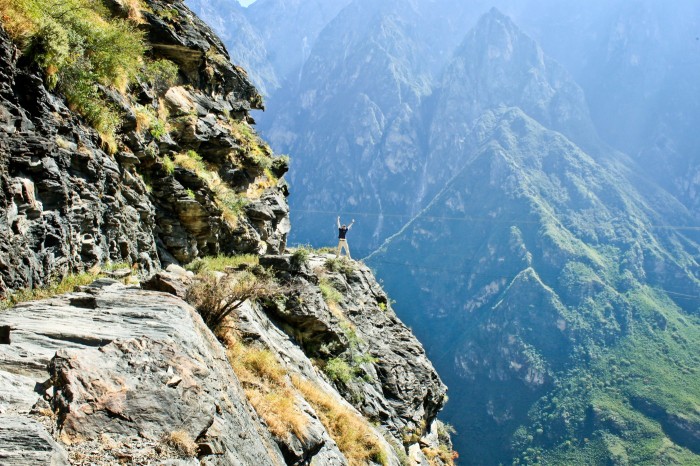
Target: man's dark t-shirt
{"points": [[342, 232]]}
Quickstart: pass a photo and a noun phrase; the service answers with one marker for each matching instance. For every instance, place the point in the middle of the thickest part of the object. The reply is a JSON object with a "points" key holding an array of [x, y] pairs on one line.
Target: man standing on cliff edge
{"points": [[342, 242]]}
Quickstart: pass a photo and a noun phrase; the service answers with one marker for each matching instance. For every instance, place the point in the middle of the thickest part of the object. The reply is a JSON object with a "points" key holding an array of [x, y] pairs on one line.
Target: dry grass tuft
{"points": [[133, 10], [353, 434], [18, 24], [65, 285], [183, 443], [267, 387]]}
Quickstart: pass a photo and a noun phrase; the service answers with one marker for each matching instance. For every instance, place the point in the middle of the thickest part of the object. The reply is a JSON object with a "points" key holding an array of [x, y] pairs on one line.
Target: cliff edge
{"points": [[120, 163]]}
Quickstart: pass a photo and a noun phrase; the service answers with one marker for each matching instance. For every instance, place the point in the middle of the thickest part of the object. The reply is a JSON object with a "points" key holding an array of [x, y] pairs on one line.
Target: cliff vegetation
{"points": [[126, 151]]}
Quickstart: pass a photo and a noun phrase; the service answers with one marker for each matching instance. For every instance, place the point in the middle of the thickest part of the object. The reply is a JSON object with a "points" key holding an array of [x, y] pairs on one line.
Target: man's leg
{"points": [[347, 249], [340, 244]]}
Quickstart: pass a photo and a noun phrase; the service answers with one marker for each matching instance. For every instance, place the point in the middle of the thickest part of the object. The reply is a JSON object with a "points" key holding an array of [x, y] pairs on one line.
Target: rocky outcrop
{"points": [[394, 383], [68, 204], [65, 203], [114, 371]]}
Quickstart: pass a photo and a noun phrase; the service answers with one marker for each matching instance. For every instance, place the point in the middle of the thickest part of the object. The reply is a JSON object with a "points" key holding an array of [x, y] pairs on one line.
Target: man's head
{"points": [[344, 226]]}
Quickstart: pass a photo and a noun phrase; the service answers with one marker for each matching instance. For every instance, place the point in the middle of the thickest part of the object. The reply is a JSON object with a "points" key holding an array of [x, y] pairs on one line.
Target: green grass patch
{"points": [[221, 262], [65, 285], [330, 294], [79, 46], [339, 264]]}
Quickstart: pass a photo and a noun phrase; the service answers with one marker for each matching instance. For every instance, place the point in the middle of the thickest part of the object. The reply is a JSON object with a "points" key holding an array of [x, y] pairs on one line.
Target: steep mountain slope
{"points": [[359, 121], [229, 21], [538, 265], [649, 57], [290, 28], [126, 146], [531, 263]]}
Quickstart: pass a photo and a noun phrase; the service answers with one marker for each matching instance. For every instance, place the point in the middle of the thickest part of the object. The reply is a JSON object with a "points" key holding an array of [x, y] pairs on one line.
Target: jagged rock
{"points": [[65, 208], [68, 205], [398, 386], [174, 280]]}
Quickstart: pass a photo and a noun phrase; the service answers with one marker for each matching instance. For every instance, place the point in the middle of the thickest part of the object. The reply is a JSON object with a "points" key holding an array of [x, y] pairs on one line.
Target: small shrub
{"points": [[339, 264], [190, 194], [253, 150], [160, 74], [300, 256], [112, 266], [338, 370], [445, 429], [183, 443], [216, 298], [168, 165], [157, 129], [191, 161], [231, 204]]}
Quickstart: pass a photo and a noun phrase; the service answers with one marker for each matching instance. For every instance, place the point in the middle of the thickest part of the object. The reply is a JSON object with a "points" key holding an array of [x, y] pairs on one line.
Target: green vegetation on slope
{"points": [[80, 47], [638, 403]]}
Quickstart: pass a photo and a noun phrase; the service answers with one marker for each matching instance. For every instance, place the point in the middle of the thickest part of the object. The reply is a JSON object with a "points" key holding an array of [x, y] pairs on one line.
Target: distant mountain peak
{"points": [[498, 65]]}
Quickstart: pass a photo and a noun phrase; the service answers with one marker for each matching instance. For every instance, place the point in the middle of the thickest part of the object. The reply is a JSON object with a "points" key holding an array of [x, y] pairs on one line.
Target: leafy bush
{"points": [[80, 47], [300, 256], [253, 150], [158, 129], [338, 370], [160, 74]]}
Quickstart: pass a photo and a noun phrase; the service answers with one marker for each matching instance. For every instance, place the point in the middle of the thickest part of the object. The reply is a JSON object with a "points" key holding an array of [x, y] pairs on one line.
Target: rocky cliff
{"points": [[311, 367], [116, 373], [552, 278]]}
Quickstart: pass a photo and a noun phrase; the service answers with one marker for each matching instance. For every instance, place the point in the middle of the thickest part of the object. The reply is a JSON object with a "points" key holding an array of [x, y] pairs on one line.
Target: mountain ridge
{"points": [[113, 352]]}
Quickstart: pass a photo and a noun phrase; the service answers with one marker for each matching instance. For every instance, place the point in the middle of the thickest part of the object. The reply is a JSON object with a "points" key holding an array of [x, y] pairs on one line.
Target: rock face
{"points": [[68, 205], [400, 389], [114, 373], [120, 366], [65, 202]]}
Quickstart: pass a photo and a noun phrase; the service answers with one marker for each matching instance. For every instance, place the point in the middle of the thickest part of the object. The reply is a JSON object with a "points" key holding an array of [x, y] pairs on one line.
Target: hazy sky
{"points": [[246, 2]]}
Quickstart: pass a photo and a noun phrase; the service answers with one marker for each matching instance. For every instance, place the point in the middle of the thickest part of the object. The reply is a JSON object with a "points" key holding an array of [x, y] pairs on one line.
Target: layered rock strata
{"points": [[67, 204]]}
